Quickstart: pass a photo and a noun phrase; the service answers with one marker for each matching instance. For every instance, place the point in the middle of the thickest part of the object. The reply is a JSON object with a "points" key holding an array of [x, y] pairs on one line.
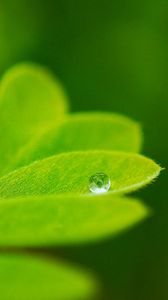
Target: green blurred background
{"points": [[110, 55]]}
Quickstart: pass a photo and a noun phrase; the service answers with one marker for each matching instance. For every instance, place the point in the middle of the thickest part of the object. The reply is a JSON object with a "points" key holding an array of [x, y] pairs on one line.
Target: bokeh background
{"points": [[110, 55]]}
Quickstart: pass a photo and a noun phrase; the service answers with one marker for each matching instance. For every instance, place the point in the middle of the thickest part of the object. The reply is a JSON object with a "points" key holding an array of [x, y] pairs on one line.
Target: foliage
{"points": [[22, 276], [47, 157]]}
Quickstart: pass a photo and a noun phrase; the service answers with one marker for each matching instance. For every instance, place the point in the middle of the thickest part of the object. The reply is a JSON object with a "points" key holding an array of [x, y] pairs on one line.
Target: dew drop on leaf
{"points": [[99, 183]]}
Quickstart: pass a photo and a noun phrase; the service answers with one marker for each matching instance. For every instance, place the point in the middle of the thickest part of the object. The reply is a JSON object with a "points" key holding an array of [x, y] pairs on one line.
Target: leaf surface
{"points": [[84, 131], [26, 277], [31, 100], [57, 220], [70, 173]]}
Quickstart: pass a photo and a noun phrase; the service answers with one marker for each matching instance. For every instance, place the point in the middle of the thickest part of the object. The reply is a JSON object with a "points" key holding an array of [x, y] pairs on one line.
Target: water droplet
{"points": [[99, 183]]}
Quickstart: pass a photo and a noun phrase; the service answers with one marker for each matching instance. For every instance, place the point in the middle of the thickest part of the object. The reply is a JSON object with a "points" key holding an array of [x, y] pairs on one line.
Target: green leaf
{"points": [[56, 220], [84, 131], [31, 100], [27, 277], [70, 173]]}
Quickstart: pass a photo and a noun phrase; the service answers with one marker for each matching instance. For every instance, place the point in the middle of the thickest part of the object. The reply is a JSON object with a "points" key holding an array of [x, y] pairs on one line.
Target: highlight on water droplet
{"points": [[99, 183]]}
